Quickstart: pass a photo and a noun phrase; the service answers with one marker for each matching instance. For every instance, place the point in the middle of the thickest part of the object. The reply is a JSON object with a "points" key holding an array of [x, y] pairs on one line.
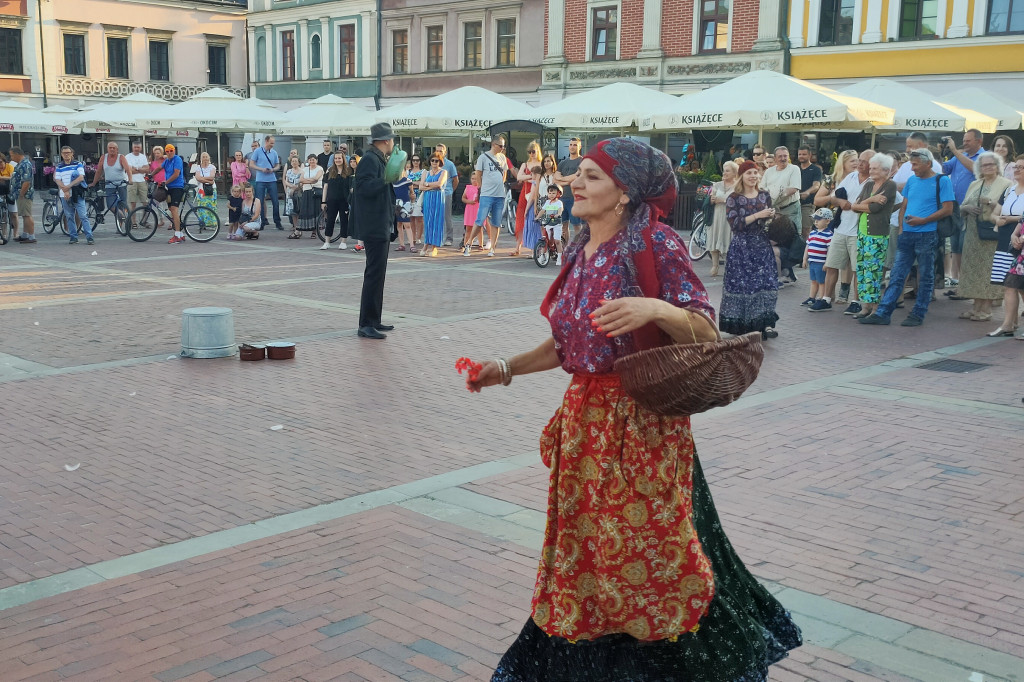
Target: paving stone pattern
{"points": [[847, 473]]}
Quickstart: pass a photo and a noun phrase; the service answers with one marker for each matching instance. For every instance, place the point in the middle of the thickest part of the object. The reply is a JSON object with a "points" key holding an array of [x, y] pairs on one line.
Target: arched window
{"points": [[261, 59], [314, 52]]}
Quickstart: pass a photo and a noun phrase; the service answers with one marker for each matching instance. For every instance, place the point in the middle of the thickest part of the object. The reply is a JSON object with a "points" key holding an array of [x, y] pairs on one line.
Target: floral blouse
{"points": [[738, 207], [414, 178], [592, 281]]}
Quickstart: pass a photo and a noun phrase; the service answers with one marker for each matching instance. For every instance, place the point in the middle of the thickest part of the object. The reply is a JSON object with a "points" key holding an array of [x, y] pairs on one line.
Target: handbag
{"points": [[987, 231], [948, 226], [159, 194]]}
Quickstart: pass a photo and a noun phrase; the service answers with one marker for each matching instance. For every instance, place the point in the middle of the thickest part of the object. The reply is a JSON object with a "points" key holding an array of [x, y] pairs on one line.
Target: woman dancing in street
{"points": [[637, 581], [750, 288]]}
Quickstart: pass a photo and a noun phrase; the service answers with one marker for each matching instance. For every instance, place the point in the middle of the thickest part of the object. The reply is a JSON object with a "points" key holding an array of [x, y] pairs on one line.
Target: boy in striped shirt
{"points": [[817, 249]]}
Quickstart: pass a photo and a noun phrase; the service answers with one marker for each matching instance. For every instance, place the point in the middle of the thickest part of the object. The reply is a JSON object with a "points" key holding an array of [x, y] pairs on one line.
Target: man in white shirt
{"points": [[914, 141], [842, 252], [139, 166], [782, 182]]}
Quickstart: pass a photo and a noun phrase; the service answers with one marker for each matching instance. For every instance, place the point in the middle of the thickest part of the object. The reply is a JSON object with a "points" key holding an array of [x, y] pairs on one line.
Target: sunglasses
{"points": [[758, 153], [434, 161]]}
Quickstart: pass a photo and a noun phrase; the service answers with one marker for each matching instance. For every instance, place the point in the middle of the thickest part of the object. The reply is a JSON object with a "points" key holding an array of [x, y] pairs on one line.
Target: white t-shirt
{"points": [[848, 220], [137, 161], [894, 220], [775, 180], [905, 171]]}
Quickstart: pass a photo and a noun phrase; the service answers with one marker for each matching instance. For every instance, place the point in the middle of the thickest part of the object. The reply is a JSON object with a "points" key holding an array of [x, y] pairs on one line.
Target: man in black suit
{"points": [[373, 212]]}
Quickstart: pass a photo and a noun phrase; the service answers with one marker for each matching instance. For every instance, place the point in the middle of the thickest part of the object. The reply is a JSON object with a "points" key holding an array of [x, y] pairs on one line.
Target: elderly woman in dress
{"points": [[750, 288], [875, 203], [976, 262], [718, 232], [637, 580]]}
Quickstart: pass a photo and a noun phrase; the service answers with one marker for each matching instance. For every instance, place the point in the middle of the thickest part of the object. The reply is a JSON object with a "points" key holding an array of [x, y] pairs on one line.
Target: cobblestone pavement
{"points": [[390, 530]]}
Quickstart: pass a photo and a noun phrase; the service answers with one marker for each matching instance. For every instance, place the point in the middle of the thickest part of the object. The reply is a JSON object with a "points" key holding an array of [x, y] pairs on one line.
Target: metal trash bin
{"points": [[207, 333]]}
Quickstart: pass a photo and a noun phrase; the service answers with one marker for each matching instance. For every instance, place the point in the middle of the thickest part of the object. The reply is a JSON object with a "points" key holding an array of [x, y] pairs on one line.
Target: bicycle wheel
{"points": [[541, 254], [508, 217], [50, 218], [698, 245], [321, 229], [141, 224], [91, 214], [201, 224], [120, 218], [5, 225]]}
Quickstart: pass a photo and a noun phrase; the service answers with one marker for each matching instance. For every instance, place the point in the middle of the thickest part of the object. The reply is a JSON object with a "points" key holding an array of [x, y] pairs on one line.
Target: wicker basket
{"points": [[684, 379]]}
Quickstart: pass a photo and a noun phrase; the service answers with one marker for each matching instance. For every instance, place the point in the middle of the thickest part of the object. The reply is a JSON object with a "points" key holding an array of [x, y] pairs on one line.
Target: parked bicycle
{"points": [[95, 200], [699, 224], [200, 223]]}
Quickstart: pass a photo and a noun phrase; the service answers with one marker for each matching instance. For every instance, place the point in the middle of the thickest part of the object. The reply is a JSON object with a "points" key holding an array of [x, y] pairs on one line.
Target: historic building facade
{"points": [[302, 49], [673, 45], [81, 52], [432, 47], [934, 45]]}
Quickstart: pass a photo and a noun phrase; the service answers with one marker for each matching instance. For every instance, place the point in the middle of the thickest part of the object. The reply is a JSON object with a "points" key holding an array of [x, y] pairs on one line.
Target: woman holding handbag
{"points": [[981, 237], [637, 581], [1008, 249]]}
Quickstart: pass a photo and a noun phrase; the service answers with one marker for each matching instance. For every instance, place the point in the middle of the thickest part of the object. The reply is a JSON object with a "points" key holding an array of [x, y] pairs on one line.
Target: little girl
{"points": [[471, 199], [234, 207]]}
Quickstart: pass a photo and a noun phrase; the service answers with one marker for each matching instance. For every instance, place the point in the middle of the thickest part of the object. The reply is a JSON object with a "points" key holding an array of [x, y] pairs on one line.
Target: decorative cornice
{"points": [[116, 89]]}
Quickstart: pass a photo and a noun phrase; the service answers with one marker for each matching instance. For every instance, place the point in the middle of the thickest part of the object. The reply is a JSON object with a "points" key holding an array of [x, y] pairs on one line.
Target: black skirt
{"points": [[744, 631]]}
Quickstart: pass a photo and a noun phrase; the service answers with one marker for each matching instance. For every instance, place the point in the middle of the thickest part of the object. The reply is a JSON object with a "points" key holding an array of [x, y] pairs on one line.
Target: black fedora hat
{"points": [[381, 131]]}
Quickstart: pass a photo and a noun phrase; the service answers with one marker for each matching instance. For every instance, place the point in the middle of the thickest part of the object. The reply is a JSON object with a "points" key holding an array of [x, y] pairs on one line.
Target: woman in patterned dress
{"points": [[976, 262], [206, 176], [874, 205], [750, 288], [637, 581]]}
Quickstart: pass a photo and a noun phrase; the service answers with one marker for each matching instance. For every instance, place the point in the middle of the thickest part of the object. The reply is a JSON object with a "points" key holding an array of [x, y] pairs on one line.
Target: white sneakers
{"points": [[342, 246], [465, 251], [327, 244]]}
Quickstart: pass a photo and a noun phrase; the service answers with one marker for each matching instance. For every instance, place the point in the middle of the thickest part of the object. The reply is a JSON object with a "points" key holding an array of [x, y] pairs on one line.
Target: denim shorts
{"points": [[817, 272], [956, 242], [567, 216], [493, 207]]}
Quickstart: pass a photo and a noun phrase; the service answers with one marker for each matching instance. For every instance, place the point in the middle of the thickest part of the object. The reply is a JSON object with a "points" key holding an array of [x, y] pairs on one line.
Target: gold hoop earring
{"points": [[619, 208]]}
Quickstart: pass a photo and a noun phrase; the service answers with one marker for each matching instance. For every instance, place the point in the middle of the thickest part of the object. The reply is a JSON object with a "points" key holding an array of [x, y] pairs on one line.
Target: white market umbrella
{"points": [[17, 117], [58, 110], [763, 99], [918, 110], [122, 115], [1010, 115], [465, 109], [619, 105], [217, 110], [328, 115]]}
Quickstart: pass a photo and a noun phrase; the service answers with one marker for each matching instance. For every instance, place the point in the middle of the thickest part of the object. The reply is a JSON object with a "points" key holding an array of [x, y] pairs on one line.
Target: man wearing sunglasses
{"points": [[489, 172]]}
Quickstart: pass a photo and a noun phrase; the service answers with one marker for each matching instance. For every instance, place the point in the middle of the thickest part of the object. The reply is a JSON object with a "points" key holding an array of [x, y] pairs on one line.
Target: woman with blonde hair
{"points": [[719, 232], [525, 176]]}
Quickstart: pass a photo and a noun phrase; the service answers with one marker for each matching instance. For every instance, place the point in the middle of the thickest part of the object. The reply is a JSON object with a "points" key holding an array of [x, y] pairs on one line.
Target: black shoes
{"points": [[383, 327], [370, 333]]}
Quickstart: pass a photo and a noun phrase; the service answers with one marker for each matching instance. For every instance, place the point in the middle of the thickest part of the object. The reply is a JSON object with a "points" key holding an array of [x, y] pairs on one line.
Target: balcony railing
{"points": [[116, 89]]}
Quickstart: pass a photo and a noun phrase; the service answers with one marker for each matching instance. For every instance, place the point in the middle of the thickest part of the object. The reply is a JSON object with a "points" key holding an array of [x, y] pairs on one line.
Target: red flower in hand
{"points": [[472, 367]]}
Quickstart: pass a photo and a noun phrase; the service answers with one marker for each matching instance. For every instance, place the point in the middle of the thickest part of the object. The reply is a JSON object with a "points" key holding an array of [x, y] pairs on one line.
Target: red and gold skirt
{"points": [[620, 554]]}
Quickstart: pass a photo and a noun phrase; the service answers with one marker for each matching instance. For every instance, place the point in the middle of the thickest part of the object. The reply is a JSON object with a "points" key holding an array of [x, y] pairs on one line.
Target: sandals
{"points": [[999, 331], [401, 247], [295, 235]]}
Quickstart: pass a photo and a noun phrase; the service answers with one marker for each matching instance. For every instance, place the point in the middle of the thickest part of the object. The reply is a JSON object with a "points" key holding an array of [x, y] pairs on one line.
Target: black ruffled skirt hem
{"points": [[744, 631], [738, 327]]}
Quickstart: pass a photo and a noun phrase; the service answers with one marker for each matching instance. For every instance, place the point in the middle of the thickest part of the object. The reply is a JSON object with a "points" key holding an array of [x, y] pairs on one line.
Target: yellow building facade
{"points": [[930, 44]]}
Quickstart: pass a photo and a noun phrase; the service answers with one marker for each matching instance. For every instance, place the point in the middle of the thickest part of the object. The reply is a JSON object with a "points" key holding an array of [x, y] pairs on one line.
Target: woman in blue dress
{"points": [[432, 185], [531, 228], [750, 289]]}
